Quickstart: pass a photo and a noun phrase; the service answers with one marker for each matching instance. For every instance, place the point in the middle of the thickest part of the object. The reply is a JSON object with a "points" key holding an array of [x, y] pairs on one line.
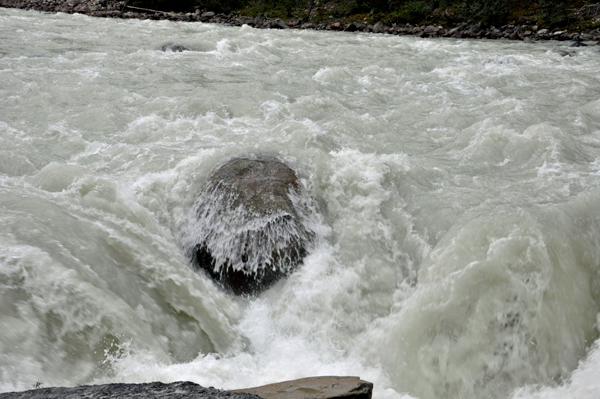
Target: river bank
{"points": [[465, 30]]}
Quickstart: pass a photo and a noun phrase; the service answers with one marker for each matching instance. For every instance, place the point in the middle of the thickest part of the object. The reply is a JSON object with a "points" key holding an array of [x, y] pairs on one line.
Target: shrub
{"points": [[490, 12], [165, 5], [553, 13], [412, 11], [219, 6]]}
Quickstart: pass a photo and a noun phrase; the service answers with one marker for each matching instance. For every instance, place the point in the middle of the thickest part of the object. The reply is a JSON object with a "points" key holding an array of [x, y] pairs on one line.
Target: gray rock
{"points": [[315, 388], [278, 24], [154, 390], [430, 29], [255, 224], [207, 14], [351, 28], [381, 27], [259, 20]]}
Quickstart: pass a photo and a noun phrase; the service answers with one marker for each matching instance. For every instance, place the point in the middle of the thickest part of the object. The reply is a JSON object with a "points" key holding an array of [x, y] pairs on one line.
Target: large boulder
{"points": [[255, 224]]}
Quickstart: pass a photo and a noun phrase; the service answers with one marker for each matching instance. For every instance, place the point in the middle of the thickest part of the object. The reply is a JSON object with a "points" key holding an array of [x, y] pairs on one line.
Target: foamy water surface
{"points": [[459, 247]]}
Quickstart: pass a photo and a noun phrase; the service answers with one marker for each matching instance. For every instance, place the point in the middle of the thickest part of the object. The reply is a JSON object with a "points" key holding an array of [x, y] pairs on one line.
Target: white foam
{"points": [[447, 173]]}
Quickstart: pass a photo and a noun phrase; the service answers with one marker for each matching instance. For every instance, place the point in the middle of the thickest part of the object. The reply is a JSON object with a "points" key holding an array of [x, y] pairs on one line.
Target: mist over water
{"points": [[459, 246]]}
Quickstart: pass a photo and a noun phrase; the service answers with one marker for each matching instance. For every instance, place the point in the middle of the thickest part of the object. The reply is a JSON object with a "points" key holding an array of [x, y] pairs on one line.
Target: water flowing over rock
{"points": [[255, 224]]}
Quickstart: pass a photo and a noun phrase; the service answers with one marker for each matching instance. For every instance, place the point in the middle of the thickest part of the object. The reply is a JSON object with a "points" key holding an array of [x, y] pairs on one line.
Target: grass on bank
{"points": [[574, 15]]}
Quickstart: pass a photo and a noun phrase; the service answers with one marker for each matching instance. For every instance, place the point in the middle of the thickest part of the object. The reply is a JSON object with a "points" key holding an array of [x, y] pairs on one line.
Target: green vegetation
{"points": [[570, 14]]}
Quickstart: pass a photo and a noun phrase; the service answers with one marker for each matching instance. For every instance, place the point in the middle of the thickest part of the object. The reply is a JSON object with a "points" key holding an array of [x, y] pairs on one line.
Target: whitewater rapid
{"points": [[457, 182]]}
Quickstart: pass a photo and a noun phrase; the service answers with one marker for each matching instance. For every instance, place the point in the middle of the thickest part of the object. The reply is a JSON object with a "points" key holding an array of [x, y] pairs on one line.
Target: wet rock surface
{"points": [[315, 388], [154, 390], [305, 388], [255, 224], [464, 30]]}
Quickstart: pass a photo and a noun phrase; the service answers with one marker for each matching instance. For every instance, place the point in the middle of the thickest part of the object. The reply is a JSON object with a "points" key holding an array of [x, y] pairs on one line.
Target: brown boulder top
{"points": [[329, 387], [261, 184]]}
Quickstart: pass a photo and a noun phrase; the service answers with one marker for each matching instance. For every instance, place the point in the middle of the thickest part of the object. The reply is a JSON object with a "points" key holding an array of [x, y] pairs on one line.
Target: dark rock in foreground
{"points": [[154, 390], [315, 388], [305, 388], [255, 224]]}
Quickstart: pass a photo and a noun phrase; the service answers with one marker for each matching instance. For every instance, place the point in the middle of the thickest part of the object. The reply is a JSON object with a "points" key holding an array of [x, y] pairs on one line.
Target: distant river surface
{"points": [[459, 254]]}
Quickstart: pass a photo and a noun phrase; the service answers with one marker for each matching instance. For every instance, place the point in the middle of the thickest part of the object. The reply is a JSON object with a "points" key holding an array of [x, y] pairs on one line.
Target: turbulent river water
{"points": [[459, 248]]}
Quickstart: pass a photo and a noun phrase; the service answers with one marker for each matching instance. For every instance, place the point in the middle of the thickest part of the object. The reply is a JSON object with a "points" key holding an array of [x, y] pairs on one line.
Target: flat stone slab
{"points": [[315, 388], [154, 390]]}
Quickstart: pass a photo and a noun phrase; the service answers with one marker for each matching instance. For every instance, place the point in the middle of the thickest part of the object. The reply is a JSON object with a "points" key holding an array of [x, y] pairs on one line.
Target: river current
{"points": [[459, 248]]}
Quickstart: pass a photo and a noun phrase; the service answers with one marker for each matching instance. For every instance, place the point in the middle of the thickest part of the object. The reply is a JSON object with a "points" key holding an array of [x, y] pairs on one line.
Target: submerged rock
{"points": [[174, 47], [578, 43], [315, 388], [255, 224]]}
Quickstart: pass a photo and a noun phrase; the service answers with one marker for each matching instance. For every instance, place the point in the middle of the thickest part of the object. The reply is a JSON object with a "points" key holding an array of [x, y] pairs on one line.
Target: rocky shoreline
{"points": [[465, 30]]}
